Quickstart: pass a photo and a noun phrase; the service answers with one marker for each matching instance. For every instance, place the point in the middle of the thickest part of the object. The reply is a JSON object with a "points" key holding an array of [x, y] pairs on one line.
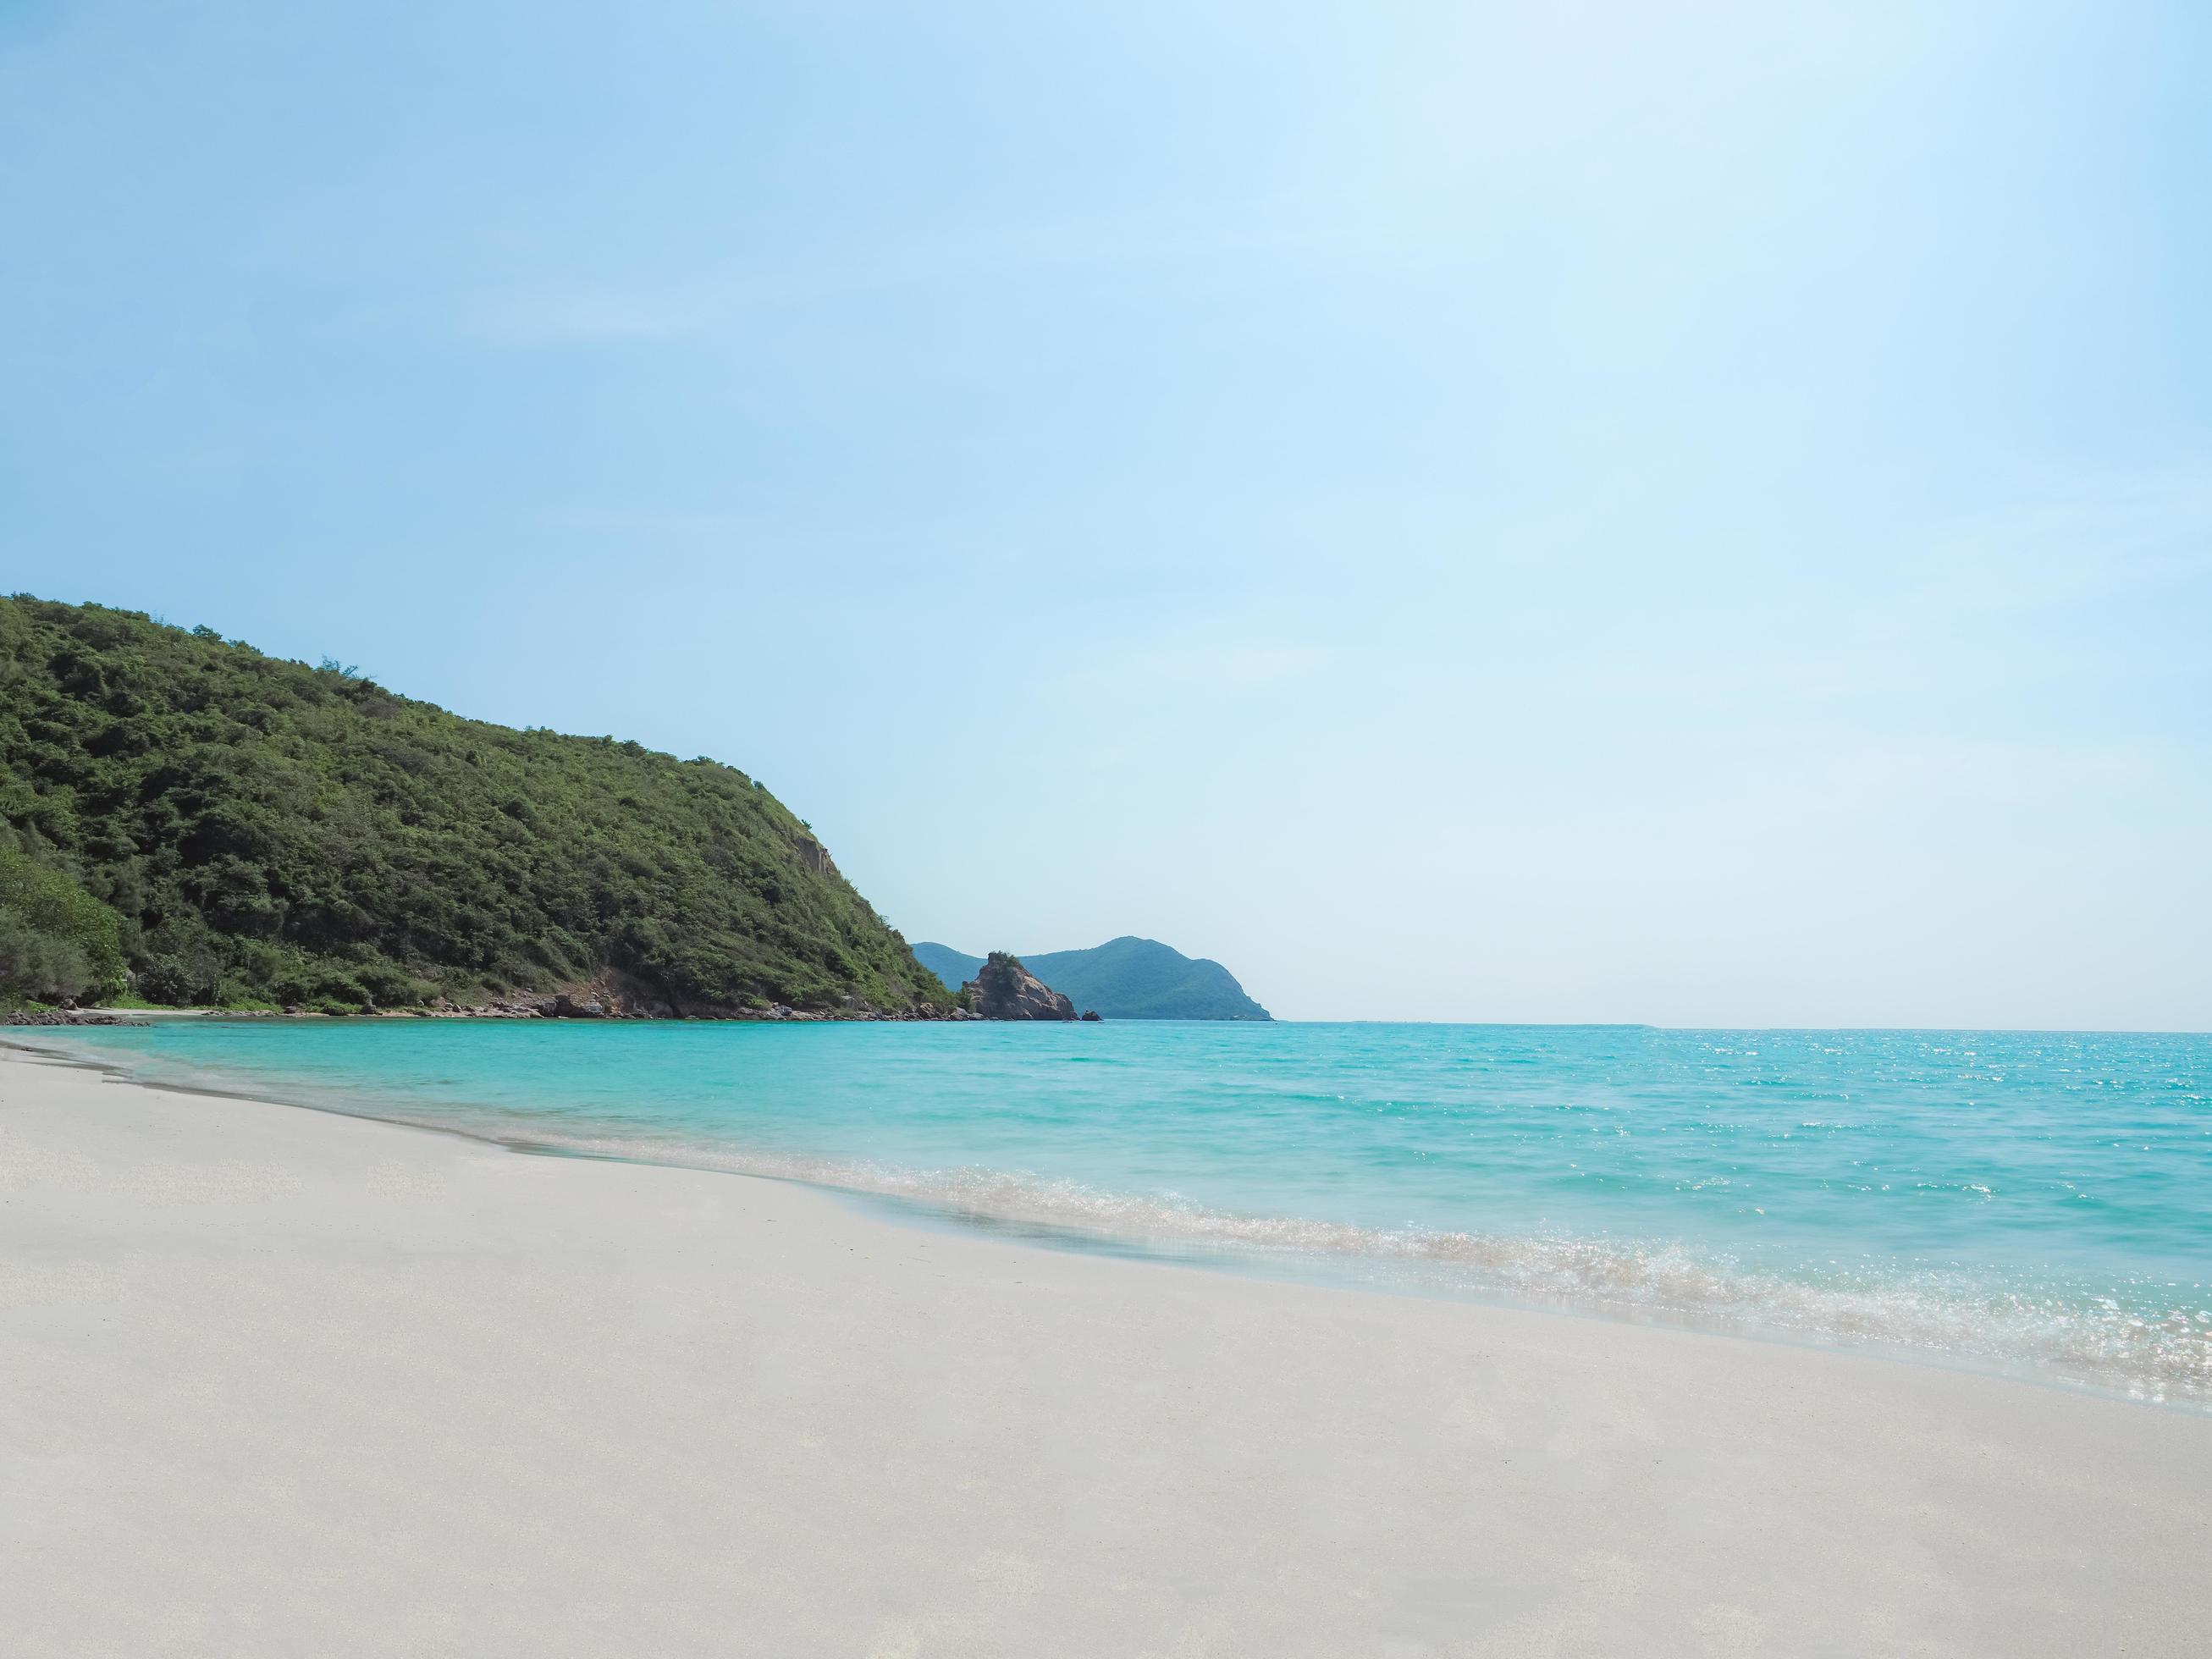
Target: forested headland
{"points": [[185, 820]]}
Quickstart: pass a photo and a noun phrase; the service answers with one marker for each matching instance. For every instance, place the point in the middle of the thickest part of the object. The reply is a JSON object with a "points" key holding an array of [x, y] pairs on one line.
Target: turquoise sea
{"points": [[2034, 1202]]}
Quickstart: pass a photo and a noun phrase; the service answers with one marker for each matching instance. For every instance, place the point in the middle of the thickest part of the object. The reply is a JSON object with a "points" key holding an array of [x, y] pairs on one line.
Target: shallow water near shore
{"points": [[2036, 1202]]}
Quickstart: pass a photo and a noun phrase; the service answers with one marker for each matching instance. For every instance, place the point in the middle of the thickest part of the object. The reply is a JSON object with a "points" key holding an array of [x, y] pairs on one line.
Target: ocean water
{"points": [[2033, 1202]]}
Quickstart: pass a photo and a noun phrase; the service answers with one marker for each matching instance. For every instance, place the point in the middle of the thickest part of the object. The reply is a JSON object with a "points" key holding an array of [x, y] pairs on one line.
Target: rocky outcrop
{"points": [[613, 996], [66, 1016], [1004, 989]]}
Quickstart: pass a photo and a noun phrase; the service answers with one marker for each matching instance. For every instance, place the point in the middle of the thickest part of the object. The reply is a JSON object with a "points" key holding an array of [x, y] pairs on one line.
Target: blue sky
{"points": [[1696, 513]]}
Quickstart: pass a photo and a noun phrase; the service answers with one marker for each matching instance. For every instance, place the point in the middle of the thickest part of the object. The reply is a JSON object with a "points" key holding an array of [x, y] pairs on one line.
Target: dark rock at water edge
{"points": [[66, 1016], [615, 998], [1004, 989]]}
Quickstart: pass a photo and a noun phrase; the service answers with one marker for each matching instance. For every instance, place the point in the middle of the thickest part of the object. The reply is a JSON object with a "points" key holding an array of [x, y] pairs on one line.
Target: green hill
{"points": [[1126, 978], [240, 828]]}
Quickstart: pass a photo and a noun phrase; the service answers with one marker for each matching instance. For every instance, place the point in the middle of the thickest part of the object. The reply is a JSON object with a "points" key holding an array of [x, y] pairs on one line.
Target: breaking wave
{"points": [[2060, 1335]]}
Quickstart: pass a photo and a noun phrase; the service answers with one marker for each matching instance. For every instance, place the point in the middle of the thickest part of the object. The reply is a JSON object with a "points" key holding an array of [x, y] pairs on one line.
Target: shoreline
{"points": [[844, 1017], [282, 1381], [561, 1006], [1332, 1255]]}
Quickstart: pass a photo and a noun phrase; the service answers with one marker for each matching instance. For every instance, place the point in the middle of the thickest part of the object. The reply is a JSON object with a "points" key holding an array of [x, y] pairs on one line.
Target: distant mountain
{"points": [[955, 968], [1126, 978]]}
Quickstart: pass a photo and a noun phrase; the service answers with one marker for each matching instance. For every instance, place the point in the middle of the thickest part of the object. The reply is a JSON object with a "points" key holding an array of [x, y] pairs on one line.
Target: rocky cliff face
{"points": [[1004, 989]]}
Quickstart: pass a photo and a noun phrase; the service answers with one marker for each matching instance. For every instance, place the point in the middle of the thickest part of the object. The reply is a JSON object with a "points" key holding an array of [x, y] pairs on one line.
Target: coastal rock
{"points": [[67, 1016], [1090, 1013], [1004, 989]]}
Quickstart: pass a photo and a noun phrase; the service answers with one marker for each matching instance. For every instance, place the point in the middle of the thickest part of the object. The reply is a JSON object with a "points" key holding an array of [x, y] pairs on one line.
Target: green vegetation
{"points": [[58, 943], [238, 829]]}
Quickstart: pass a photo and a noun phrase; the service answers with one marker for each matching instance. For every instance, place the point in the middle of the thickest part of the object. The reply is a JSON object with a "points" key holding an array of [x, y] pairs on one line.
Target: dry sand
{"points": [[274, 1382]]}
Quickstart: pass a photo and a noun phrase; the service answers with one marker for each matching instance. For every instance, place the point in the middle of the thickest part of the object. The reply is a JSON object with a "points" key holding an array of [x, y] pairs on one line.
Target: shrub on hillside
{"points": [[58, 943]]}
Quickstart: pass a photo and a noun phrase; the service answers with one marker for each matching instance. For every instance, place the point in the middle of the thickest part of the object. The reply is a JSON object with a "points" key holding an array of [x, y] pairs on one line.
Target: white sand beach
{"points": [[275, 1382]]}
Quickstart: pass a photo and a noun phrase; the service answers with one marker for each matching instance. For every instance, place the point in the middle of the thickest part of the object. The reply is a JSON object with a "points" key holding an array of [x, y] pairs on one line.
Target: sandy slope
{"points": [[278, 1383]]}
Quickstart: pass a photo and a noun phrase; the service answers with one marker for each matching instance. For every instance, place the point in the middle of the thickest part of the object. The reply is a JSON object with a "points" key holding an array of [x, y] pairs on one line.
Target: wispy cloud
{"points": [[649, 308], [1185, 665], [2074, 537], [572, 316]]}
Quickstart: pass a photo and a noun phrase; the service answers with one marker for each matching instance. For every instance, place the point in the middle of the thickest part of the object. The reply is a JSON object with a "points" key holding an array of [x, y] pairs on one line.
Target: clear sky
{"points": [[1695, 514]]}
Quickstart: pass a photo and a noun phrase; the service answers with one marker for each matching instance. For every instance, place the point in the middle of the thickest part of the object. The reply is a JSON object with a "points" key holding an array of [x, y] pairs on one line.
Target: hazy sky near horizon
{"points": [[1699, 513]]}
